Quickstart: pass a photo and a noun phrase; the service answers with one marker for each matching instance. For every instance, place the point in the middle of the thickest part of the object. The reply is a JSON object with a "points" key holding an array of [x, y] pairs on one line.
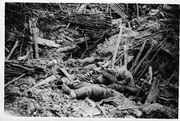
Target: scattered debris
{"points": [[131, 50]]}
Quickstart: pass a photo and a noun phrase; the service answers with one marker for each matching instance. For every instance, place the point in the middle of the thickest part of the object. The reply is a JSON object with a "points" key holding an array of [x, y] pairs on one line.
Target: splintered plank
{"points": [[117, 45]]}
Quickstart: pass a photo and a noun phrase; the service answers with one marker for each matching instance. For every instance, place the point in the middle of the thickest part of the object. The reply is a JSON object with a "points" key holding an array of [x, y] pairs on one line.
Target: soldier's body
{"points": [[103, 87]]}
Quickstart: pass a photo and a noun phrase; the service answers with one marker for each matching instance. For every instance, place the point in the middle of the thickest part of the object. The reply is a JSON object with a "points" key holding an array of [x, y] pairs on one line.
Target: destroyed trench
{"points": [[94, 60]]}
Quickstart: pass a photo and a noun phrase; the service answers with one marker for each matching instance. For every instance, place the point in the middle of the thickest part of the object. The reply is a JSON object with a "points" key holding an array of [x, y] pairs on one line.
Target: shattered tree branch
{"points": [[15, 45]]}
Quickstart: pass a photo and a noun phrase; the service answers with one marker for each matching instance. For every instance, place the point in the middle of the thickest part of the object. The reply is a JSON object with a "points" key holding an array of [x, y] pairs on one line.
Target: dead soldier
{"points": [[119, 79]]}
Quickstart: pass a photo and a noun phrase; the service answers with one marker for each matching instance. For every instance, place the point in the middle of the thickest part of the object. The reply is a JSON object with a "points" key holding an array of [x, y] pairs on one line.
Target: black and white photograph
{"points": [[91, 60]]}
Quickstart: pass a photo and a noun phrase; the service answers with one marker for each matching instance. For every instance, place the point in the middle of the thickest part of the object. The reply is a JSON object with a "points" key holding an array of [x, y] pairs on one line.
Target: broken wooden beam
{"points": [[82, 39], [65, 49], [15, 45], [66, 73], [46, 42], [125, 55], [137, 8], [139, 54], [81, 8], [12, 50], [117, 45], [14, 80], [140, 63], [119, 9]]}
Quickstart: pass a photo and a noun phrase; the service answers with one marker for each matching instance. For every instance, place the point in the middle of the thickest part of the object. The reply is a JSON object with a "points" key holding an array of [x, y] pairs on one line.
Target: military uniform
{"points": [[103, 87]]}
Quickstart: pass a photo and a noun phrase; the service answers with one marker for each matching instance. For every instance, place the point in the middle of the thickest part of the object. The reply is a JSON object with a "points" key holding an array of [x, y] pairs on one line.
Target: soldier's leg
{"points": [[94, 92]]}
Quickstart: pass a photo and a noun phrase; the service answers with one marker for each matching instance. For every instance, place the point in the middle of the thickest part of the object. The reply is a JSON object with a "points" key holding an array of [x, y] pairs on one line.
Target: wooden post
{"points": [[137, 6], [150, 75], [35, 33], [125, 55], [129, 25]]}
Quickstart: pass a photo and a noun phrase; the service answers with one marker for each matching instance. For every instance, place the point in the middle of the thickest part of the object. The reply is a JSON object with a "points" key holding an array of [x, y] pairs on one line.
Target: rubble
{"points": [[56, 44]]}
